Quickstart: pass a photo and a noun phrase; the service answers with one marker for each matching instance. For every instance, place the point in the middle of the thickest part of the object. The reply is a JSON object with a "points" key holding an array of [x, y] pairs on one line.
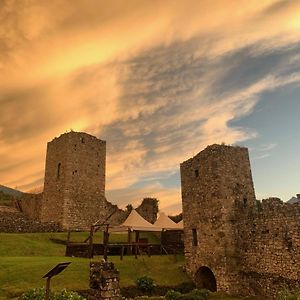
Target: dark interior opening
{"points": [[195, 238], [58, 170], [205, 279]]}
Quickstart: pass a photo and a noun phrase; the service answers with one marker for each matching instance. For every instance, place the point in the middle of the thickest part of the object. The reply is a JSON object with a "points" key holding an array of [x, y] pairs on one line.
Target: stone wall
{"points": [[30, 205], [232, 241], [269, 242], [13, 221]]}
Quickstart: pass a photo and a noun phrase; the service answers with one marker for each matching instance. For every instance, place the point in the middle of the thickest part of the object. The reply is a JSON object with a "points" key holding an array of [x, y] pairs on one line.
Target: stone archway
{"points": [[205, 279]]}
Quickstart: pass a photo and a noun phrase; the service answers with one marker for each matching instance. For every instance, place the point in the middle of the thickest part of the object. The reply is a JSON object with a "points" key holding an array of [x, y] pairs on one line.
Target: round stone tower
{"points": [[216, 187]]}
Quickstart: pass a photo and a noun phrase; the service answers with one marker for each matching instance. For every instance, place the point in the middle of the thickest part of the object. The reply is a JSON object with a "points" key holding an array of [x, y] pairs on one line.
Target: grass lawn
{"points": [[25, 258], [39, 244]]}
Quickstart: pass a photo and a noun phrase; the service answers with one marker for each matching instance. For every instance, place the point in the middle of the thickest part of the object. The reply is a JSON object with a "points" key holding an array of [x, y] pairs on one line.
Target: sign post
{"points": [[53, 272]]}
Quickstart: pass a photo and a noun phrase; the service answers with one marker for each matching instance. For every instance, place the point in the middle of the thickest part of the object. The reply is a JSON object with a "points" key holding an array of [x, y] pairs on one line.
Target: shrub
{"points": [[36, 294], [196, 295], [145, 284], [39, 294], [192, 295], [288, 295], [185, 287], [173, 295], [199, 294], [66, 295]]}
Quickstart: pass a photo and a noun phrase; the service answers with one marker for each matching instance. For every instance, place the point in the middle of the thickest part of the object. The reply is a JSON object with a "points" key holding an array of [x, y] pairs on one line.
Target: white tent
{"points": [[180, 224], [135, 222], [165, 222]]}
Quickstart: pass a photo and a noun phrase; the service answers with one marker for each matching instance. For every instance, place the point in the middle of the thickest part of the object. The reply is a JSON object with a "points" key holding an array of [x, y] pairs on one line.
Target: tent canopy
{"points": [[165, 222], [136, 222], [180, 224]]}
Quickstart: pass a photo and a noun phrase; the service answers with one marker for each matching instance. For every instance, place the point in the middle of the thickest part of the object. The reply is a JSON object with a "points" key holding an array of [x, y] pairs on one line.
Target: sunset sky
{"points": [[159, 81]]}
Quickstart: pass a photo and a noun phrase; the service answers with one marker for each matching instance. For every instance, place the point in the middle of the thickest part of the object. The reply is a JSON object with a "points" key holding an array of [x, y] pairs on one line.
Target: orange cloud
{"points": [[73, 65]]}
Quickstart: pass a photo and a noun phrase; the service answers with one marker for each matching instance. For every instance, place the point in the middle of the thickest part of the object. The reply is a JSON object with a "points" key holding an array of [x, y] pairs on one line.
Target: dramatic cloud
{"points": [[159, 80]]}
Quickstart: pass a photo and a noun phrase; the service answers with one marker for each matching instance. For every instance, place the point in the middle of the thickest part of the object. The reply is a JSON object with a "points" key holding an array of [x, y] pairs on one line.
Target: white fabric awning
{"points": [[180, 224], [136, 222], [165, 222]]}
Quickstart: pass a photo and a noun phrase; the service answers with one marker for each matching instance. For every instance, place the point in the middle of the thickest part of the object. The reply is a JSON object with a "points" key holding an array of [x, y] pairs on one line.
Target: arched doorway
{"points": [[205, 279]]}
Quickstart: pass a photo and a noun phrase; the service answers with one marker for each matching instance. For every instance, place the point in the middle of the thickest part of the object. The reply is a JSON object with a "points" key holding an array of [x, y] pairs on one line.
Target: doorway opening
{"points": [[205, 279]]}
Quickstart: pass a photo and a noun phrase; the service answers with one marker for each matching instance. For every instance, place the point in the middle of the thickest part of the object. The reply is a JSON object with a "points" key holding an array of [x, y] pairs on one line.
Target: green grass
{"points": [[25, 258], [18, 274], [39, 244]]}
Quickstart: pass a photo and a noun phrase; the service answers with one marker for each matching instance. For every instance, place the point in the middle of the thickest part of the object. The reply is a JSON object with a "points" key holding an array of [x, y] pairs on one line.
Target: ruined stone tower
{"points": [[74, 187], [216, 187]]}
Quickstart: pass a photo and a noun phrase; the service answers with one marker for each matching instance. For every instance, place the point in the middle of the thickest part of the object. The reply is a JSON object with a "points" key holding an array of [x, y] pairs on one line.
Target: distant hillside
{"points": [[9, 191], [293, 200]]}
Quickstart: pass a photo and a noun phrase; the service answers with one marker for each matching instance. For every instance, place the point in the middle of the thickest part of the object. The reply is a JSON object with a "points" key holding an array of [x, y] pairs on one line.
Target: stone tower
{"points": [[74, 187], [216, 188]]}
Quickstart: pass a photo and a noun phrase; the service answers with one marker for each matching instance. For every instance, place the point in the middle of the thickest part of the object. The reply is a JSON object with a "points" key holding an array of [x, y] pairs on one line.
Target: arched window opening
{"points": [[205, 279]]}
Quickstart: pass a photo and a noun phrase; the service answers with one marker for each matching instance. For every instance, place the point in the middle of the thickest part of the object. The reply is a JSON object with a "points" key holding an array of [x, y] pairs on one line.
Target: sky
{"points": [[159, 81]]}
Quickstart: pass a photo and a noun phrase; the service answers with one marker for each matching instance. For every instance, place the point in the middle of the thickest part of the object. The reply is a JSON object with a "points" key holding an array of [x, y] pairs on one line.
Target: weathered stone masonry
{"points": [[74, 186], [232, 241], [74, 180]]}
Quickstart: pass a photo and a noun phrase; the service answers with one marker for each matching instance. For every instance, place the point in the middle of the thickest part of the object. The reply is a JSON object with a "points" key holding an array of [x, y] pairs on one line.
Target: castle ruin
{"points": [[233, 242], [74, 183], [74, 186]]}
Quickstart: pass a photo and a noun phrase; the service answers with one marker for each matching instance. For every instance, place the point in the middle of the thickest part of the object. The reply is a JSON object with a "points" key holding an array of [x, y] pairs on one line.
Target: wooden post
{"points": [[135, 250], [91, 241], [137, 236], [47, 292], [129, 242], [122, 252], [129, 236], [106, 236], [68, 237]]}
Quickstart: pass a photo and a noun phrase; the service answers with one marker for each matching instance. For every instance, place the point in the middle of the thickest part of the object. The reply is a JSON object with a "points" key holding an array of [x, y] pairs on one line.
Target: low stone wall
{"points": [[13, 221], [30, 205]]}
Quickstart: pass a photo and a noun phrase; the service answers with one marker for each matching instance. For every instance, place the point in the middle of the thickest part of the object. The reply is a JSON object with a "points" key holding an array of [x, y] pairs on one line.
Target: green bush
{"points": [[199, 294], [192, 295], [173, 295], [39, 294], [288, 295], [36, 294], [66, 295], [145, 284]]}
